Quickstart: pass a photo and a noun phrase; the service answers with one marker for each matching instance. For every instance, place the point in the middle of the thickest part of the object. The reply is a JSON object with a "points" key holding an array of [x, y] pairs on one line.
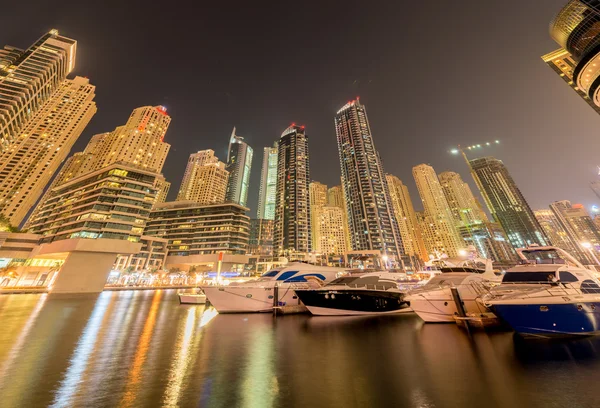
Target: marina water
{"points": [[143, 349]]}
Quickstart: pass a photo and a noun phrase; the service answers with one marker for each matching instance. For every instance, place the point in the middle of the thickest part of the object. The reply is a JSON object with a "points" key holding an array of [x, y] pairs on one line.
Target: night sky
{"points": [[432, 75]]}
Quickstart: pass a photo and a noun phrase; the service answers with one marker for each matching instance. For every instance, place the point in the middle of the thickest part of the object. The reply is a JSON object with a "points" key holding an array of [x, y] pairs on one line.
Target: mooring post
{"points": [[275, 299], [460, 308]]}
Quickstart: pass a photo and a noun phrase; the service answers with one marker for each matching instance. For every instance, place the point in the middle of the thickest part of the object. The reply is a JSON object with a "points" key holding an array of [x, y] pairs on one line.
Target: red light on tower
{"points": [[302, 127], [293, 124]]}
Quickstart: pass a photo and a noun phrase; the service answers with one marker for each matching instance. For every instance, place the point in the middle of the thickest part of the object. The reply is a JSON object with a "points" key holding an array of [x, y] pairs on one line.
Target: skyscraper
{"points": [[331, 232], [558, 235], [442, 234], [29, 162], [205, 179], [137, 144], [463, 205], [579, 225], [335, 197], [239, 164], [575, 29], [318, 200], [268, 184], [506, 203], [140, 142], [412, 240], [292, 232], [28, 79], [370, 214]]}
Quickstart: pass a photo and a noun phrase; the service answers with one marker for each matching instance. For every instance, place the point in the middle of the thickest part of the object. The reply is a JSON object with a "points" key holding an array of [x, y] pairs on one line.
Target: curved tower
{"points": [[576, 28]]}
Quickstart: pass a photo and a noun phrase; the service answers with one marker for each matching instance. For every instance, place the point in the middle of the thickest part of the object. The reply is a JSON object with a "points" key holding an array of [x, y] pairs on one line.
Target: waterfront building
{"points": [[162, 187], [440, 230], [558, 234], [29, 162], [261, 237], [202, 235], [29, 78], [463, 205], [292, 230], [113, 202], [205, 179], [506, 203], [318, 199], [268, 184], [239, 164], [370, 214], [412, 240], [151, 257], [577, 62]]}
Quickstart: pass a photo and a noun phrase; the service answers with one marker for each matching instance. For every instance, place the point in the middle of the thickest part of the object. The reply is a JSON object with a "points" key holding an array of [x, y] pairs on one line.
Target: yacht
{"points": [[433, 302], [363, 294], [198, 298], [258, 295], [549, 294]]}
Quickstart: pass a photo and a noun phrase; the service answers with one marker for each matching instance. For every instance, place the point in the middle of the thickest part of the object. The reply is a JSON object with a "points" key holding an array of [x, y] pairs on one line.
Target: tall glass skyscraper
{"points": [[268, 184], [506, 203], [370, 213], [28, 79], [239, 164], [292, 232]]}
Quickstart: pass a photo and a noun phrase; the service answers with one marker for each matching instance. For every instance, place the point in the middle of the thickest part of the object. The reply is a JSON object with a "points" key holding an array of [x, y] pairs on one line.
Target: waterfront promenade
{"points": [[143, 349]]}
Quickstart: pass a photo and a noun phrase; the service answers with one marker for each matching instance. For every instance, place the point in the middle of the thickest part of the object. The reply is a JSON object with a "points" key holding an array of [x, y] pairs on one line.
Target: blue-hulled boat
{"points": [[549, 294]]}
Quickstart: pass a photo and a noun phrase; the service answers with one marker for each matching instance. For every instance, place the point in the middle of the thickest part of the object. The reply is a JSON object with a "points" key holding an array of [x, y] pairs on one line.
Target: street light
{"points": [[384, 258]]}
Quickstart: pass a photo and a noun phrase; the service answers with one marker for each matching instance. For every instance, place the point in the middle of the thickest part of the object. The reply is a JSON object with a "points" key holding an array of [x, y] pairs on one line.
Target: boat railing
{"points": [[543, 289]]}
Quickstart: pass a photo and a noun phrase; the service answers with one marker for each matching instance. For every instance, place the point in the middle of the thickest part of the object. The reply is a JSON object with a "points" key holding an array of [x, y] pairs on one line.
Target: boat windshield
{"points": [[441, 280], [543, 256], [270, 274], [529, 277], [363, 281]]}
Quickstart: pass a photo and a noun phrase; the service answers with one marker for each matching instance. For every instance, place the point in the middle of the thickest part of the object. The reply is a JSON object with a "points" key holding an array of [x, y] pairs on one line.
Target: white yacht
{"points": [[433, 302], [549, 294], [258, 295]]}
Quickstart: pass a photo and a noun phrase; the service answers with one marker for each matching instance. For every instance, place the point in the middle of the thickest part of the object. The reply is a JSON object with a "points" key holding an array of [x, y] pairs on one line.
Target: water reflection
{"points": [[144, 349]]}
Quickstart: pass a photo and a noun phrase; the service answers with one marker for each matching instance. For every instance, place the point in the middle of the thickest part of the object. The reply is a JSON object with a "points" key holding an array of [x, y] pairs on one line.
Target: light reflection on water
{"points": [[144, 349]]}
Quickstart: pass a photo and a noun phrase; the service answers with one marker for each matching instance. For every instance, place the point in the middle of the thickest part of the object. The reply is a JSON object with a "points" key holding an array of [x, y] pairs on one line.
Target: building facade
{"points": [[29, 162], [506, 203], [151, 257], [318, 200], [29, 78], [268, 184], [463, 205], [331, 232], [239, 165], [205, 179], [558, 234], [412, 240], [578, 223], [370, 214], [193, 229], [292, 230], [261, 237], [113, 202], [575, 29], [441, 232]]}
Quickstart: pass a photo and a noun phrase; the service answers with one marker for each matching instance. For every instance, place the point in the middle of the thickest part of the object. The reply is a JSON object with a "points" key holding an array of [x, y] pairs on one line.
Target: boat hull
{"points": [[438, 306], [546, 320], [192, 299], [240, 299], [353, 302]]}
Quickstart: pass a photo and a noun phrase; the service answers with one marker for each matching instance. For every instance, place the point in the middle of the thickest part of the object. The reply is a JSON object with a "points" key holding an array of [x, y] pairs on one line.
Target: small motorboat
{"points": [[373, 293], [186, 298], [549, 294]]}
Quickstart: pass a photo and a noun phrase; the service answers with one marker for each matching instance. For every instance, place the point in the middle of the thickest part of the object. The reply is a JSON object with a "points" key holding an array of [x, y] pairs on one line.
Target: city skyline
{"points": [[263, 121]]}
